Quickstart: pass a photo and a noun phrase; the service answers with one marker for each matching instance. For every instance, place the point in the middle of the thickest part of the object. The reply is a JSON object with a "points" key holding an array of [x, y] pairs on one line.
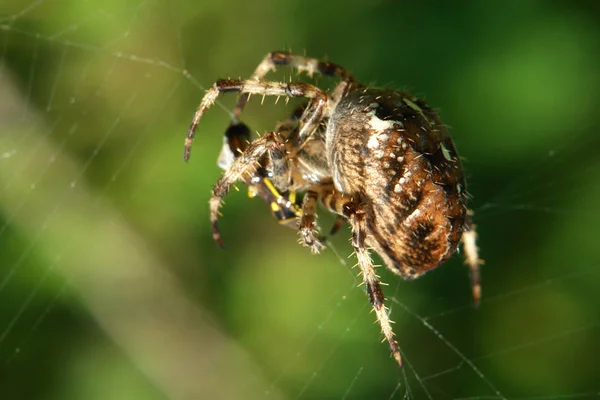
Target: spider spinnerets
{"points": [[380, 159]]}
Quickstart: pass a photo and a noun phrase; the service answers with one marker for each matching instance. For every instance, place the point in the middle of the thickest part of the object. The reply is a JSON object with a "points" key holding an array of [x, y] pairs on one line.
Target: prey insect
{"points": [[283, 206], [381, 159]]}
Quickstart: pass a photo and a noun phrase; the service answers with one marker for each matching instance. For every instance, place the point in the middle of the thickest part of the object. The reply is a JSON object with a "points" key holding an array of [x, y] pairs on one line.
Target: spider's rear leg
{"points": [[472, 259], [243, 166], [301, 63], [310, 120], [353, 211]]}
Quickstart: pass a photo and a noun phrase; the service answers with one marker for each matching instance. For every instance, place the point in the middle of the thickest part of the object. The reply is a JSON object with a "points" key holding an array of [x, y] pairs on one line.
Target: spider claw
{"points": [[473, 261], [476, 295], [188, 144], [398, 359], [215, 203], [217, 235]]}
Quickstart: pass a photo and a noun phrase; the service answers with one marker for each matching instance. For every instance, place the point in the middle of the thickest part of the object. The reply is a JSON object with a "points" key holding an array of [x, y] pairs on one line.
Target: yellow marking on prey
{"points": [[271, 187], [291, 201]]}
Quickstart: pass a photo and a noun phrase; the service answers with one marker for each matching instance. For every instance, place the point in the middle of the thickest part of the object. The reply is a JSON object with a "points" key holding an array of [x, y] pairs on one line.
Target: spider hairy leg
{"points": [[311, 117], [372, 283], [469, 238], [308, 234], [342, 205], [301, 63], [243, 165]]}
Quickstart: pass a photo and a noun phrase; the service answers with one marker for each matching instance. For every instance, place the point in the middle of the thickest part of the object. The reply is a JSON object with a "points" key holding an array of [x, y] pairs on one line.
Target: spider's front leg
{"points": [[310, 120], [246, 164], [301, 63]]}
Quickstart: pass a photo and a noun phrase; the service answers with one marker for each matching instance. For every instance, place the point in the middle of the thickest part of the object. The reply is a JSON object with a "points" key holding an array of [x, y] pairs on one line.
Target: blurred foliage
{"points": [[105, 104]]}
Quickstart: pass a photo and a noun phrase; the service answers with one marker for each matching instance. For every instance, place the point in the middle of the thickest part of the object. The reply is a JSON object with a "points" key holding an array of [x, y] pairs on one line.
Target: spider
{"points": [[380, 159]]}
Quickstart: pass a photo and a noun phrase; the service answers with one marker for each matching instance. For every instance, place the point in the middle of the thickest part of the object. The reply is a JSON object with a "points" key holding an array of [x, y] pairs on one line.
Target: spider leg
{"points": [[301, 63], [308, 226], [472, 259], [353, 211], [372, 283], [242, 166], [310, 120], [337, 225]]}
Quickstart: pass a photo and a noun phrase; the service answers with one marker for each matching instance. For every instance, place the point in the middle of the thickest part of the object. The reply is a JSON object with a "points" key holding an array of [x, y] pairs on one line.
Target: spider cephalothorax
{"points": [[379, 158]]}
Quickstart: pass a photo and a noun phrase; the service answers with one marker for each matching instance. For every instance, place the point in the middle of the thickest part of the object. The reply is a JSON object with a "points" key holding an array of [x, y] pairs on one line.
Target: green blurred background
{"points": [[111, 286]]}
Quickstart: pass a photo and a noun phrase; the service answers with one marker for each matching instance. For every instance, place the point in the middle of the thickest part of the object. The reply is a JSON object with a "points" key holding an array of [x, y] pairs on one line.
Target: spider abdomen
{"points": [[389, 151]]}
